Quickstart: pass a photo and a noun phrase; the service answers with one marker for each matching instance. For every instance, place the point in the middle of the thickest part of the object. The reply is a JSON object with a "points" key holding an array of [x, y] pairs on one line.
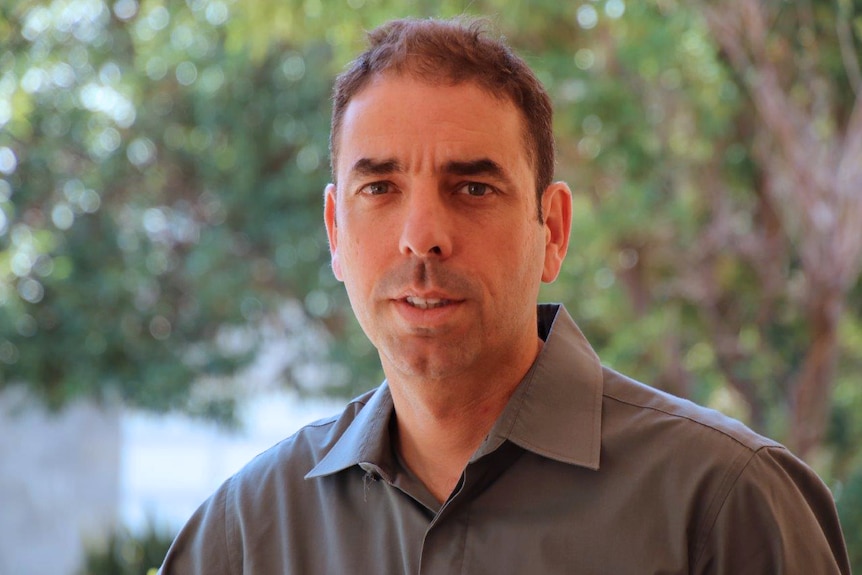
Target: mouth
{"points": [[426, 303]]}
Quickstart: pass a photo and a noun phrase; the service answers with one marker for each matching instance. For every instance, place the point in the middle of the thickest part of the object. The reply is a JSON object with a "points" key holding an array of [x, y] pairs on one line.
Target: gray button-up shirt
{"points": [[586, 471]]}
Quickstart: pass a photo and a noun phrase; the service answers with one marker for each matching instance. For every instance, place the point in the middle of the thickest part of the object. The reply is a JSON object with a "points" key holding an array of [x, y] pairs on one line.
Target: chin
{"points": [[429, 364]]}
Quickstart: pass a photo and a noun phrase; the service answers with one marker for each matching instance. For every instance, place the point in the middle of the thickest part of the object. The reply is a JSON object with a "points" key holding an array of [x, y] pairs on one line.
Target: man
{"points": [[498, 443]]}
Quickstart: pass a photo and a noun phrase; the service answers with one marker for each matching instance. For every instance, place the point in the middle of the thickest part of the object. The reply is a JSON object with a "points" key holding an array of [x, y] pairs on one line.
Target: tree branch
{"points": [[848, 189], [848, 50]]}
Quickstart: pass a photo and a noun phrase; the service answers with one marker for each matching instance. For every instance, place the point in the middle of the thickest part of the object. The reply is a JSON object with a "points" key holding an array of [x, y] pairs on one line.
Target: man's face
{"points": [[433, 228]]}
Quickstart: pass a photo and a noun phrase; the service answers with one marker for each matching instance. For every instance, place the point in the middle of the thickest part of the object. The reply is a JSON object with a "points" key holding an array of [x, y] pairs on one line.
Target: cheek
{"points": [[517, 245], [357, 263], [530, 257], [510, 263]]}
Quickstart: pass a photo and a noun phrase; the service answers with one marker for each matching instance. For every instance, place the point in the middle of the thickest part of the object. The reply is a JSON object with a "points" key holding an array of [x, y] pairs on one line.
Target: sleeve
{"points": [[208, 543], [777, 518]]}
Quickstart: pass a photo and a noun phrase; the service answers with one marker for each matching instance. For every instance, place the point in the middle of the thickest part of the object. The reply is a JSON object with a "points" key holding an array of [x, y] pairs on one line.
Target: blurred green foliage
{"points": [[126, 553], [162, 165], [165, 202], [850, 512]]}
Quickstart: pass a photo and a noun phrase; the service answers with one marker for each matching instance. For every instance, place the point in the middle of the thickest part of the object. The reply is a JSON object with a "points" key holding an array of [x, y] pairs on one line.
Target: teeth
{"points": [[423, 303]]}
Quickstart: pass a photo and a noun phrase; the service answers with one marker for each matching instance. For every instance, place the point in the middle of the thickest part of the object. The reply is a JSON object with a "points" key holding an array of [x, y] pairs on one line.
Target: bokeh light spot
{"points": [[186, 73], [216, 13], [31, 291], [141, 151], [8, 352], [21, 263], [308, 159], [160, 328], [293, 67], [585, 59], [62, 216], [615, 8], [26, 325], [8, 160], [587, 16], [125, 9]]}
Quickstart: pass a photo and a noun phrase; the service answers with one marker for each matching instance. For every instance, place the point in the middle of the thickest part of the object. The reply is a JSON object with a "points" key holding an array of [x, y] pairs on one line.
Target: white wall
{"points": [[170, 464], [67, 478], [59, 483]]}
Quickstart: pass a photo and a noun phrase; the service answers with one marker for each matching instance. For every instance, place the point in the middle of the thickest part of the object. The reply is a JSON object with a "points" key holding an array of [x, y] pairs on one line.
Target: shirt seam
{"points": [[362, 403], [369, 439], [558, 455], [547, 453], [513, 420], [750, 448], [527, 393], [701, 547], [466, 530], [234, 563], [323, 422], [334, 418]]}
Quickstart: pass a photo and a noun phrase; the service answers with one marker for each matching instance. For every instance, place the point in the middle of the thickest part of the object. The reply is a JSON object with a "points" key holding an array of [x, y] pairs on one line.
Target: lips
{"points": [[427, 303]]}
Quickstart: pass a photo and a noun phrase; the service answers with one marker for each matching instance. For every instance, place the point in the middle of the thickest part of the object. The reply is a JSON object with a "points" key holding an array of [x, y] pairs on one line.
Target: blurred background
{"points": [[166, 304]]}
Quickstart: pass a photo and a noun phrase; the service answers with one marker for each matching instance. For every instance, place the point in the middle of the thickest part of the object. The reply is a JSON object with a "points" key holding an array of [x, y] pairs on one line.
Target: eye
{"points": [[376, 188], [475, 189]]}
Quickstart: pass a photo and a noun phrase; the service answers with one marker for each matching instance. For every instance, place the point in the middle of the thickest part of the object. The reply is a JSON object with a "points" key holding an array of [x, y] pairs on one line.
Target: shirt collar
{"points": [[555, 412], [366, 440]]}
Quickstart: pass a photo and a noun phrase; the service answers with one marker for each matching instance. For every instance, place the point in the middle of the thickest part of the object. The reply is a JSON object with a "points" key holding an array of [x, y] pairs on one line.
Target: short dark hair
{"points": [[453, 51]]}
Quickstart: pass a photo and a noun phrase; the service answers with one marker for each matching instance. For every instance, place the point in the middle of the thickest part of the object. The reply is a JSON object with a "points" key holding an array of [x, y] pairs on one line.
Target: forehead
{"points": [[415, 120]]}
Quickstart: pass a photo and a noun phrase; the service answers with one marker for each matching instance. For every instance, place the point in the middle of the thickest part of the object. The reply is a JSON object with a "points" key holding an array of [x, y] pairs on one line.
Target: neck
{"points": [[441, 425]]}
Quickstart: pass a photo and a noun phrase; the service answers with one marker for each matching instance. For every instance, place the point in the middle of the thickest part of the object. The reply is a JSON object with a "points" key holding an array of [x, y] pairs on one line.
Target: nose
{"points": [[427, 225]]}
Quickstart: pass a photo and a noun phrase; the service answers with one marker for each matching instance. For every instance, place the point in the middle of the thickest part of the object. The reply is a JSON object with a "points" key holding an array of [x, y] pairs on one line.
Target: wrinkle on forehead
{"points": [[442, 80], [486, 167]]}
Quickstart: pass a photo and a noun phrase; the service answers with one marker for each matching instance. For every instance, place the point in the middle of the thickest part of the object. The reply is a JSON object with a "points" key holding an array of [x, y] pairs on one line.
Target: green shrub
{"points": [[126, 553], [850, 511]]}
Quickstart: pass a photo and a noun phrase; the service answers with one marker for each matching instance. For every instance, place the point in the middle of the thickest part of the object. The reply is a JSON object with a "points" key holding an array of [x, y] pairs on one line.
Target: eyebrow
{"points": [[371, 167], [479, 167]]}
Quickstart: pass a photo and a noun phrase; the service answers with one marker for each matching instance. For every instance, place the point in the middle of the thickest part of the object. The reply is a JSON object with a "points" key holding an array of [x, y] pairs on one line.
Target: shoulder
{"points": [[686, 452], [755, 506], [294, 456], [256, 503], [633, 407]]}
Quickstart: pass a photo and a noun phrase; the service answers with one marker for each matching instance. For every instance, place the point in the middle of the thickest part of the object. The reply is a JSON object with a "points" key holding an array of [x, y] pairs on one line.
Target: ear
{"points": [[557, 213], [329, 210]]}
